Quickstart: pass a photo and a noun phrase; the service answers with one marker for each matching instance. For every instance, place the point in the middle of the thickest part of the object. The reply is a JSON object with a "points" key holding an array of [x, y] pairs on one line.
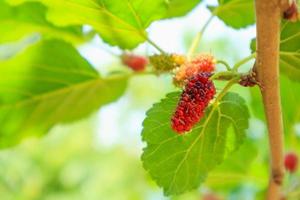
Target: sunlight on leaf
{"points": [[235, 13], [121, 23], [29, 18], [47, 84]]}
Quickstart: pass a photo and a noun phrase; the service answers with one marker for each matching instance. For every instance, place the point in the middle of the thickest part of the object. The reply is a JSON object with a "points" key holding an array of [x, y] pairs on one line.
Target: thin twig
{"points": [[243, 61], [225, 64], [155, 45], [197, 39]]}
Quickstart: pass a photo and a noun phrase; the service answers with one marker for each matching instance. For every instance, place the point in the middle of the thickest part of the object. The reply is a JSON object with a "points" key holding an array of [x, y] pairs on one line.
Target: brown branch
{"points": [[285, 4], [268, 16]]}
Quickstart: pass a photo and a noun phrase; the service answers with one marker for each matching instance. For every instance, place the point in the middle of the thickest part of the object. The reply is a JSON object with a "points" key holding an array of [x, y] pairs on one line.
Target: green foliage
{"points": [[47, 84], [289, 66], [234, 170], [121, 23], [29, 18], [180, 7], [235, 13], [290, 96], [65, 165], [289, 49], [180, 163]]}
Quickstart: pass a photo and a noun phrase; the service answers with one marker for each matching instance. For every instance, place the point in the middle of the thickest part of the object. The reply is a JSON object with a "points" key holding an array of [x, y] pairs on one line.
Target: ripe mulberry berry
{"points": [[291, 162], [166, 62], [135, 62], [198, 92], [201, 63]]}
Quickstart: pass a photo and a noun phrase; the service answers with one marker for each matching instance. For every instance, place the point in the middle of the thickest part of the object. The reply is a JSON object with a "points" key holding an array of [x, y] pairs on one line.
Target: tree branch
{"points": [[268, 15]]}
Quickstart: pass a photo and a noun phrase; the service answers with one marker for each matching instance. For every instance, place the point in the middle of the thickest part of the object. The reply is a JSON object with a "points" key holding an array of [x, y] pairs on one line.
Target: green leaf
{"points": [[30, 18], [290, 96], [235, 13], [180, 163], [234, 170], [121, 23], [180, 8], [48, 84], [253, 45], [289, 49]]}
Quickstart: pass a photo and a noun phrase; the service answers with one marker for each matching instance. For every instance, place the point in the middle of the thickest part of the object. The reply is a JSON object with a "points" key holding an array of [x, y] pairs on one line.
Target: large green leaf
{"points": [[121, 23], [235, 13], [289, 49], [21, 21], [234, 171], [180, 163], [180, 7], [49, 83], [289, 98]]}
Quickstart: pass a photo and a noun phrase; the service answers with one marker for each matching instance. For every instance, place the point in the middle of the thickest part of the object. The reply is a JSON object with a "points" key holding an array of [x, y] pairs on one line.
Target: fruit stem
{"points": [[155, 45], [230, 83], [243, 61], [198, 38], [225, 64], [228, 75]]}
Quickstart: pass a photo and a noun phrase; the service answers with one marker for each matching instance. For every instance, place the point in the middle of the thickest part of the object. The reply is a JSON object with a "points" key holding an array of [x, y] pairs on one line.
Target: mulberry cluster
{"points": [[166, 62], [201, 63], [135, 62], [196, 96]]}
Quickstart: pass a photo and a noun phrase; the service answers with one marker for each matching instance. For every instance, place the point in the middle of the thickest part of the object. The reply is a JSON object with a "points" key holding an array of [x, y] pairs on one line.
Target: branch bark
{"points": [[268, 16]]}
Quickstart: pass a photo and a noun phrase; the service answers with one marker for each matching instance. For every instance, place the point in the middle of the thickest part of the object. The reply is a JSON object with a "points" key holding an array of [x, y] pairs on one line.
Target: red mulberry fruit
{"points": [[291, 162], [201, 63], [135, 62], [198, 92]]}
